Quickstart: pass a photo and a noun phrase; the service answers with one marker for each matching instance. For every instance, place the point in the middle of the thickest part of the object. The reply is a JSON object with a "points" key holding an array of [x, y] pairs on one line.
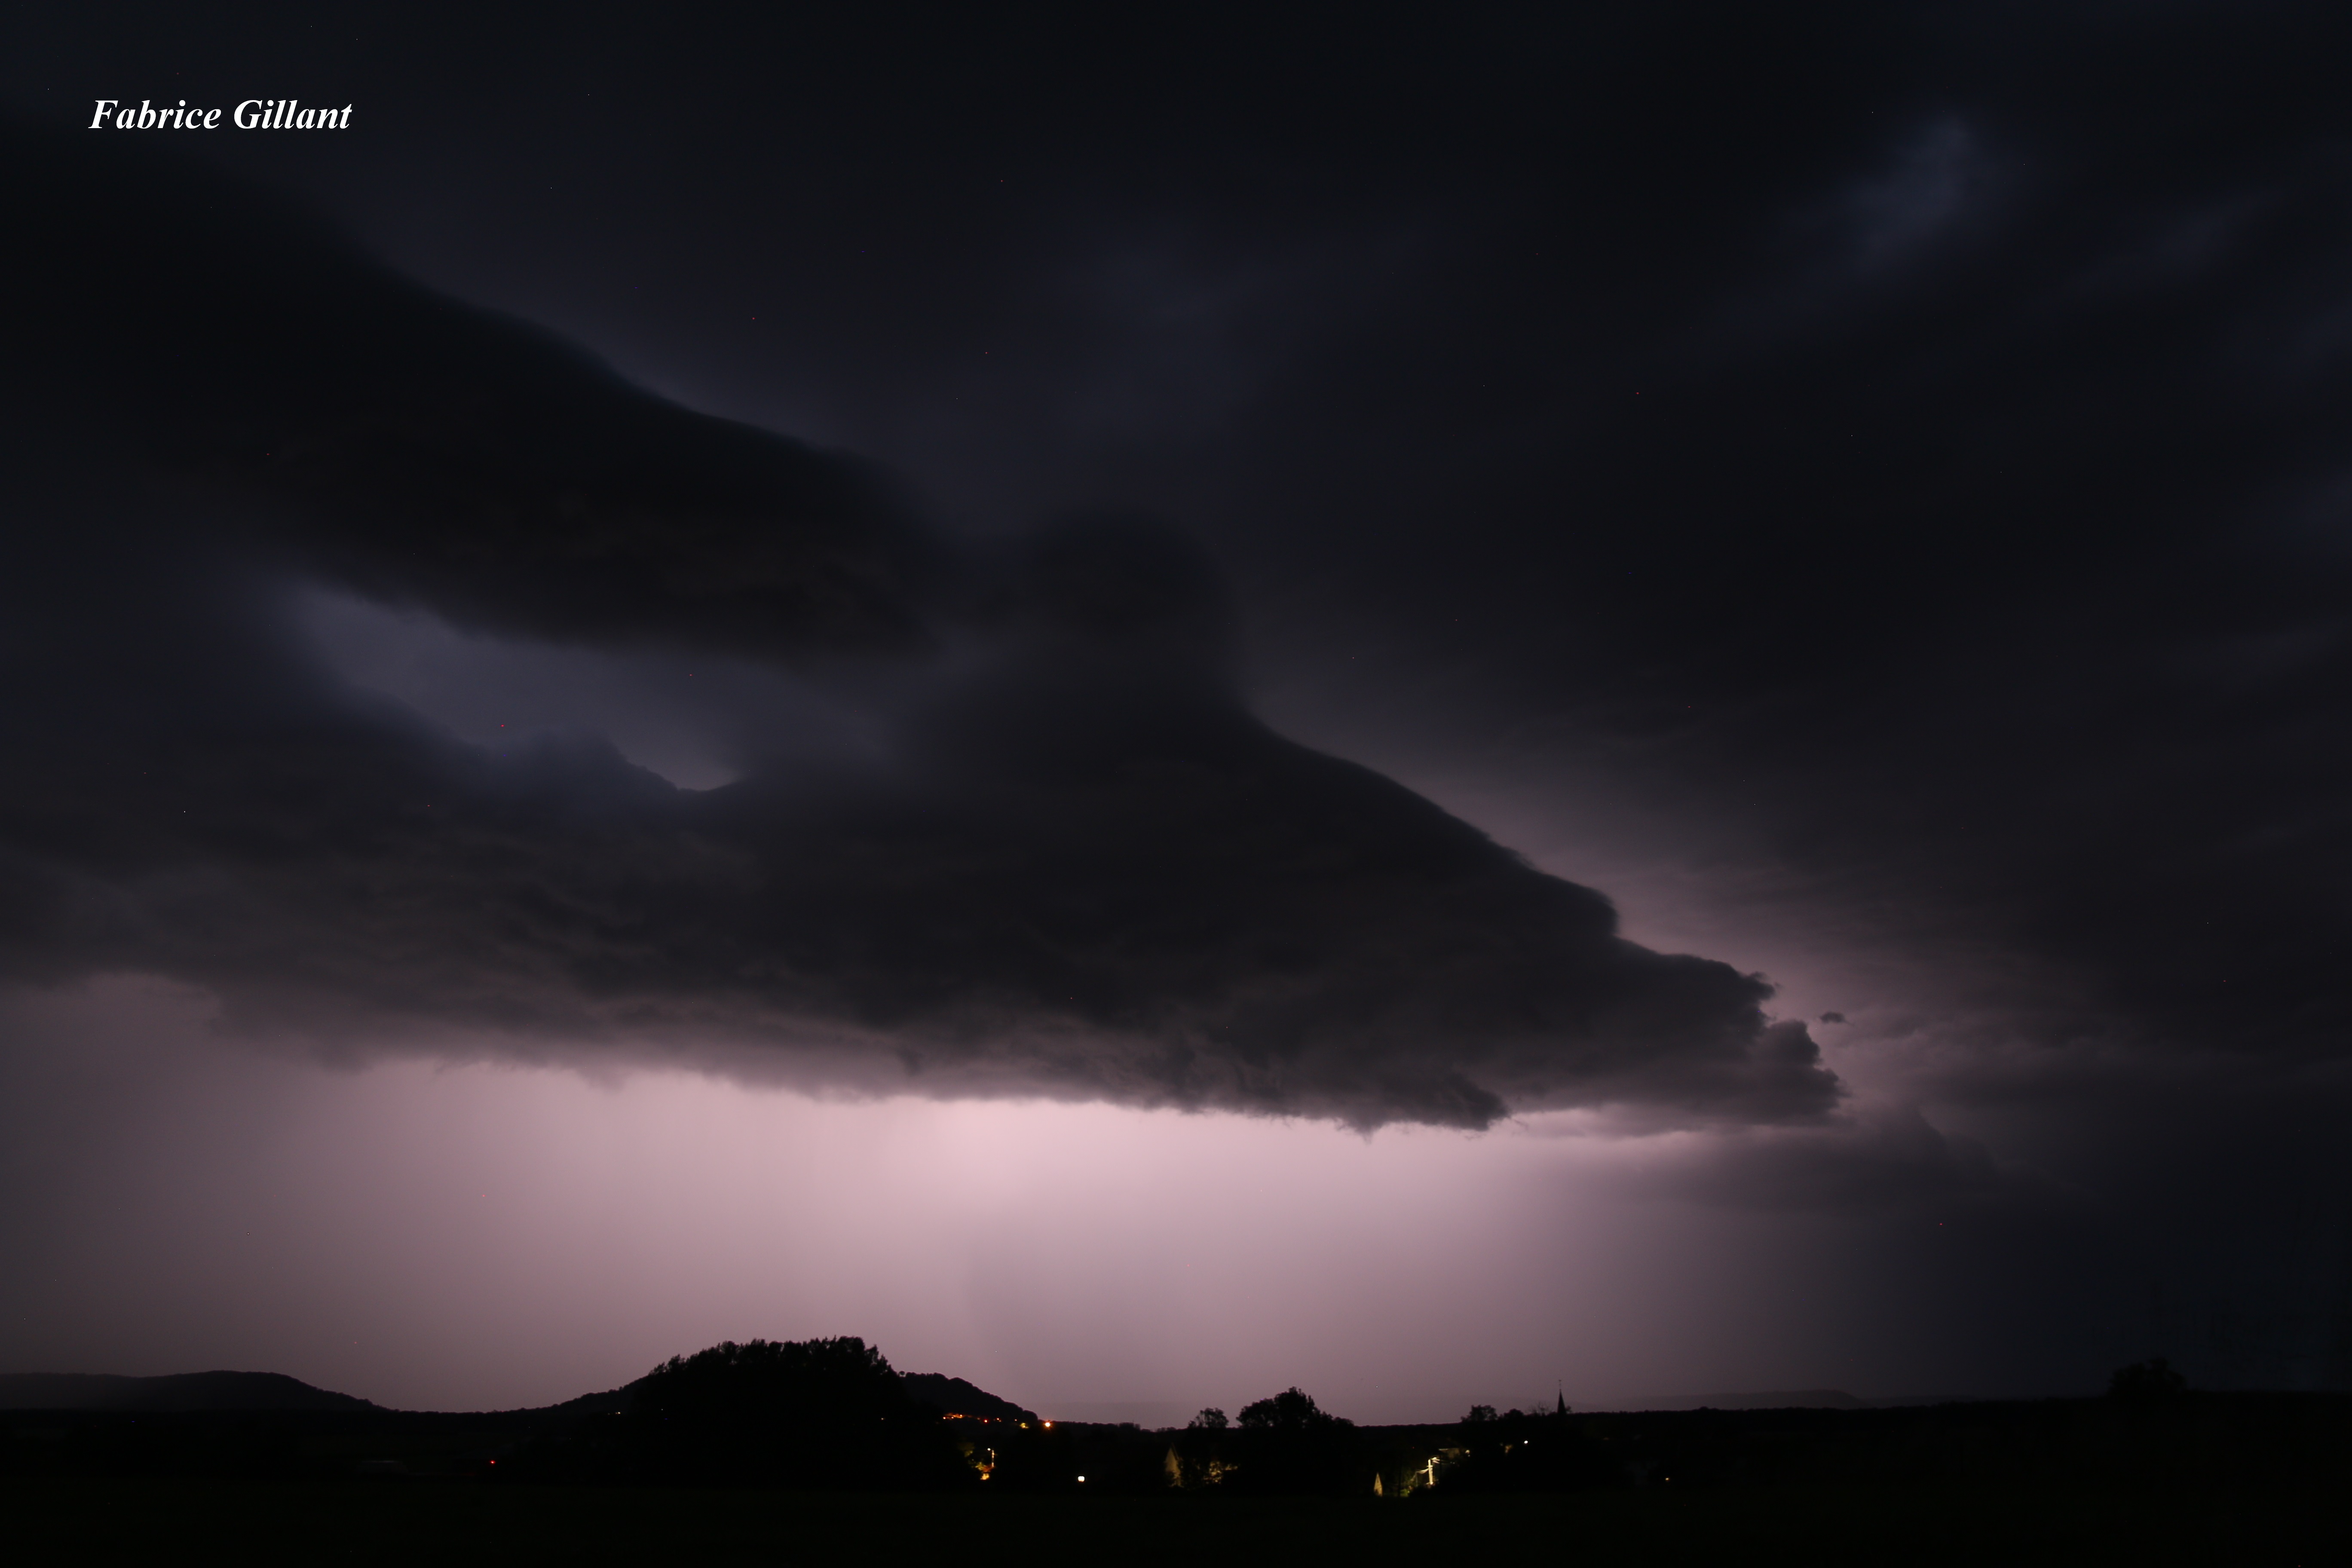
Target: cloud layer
{"points": [[1071, 863]]}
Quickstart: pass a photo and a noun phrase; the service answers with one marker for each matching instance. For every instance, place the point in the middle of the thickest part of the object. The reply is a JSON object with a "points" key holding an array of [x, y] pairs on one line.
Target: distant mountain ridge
{"points": [[1782, 1399], [271, 1391], [232, 1391], [186, 1391]]}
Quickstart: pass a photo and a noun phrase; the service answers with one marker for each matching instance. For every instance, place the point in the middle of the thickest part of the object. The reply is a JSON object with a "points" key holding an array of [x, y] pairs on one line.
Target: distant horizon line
{"points": [[1157, 1414]]}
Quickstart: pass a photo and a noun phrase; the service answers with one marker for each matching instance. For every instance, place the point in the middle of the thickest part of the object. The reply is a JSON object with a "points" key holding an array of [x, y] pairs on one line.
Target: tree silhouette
{"points": [[1287, 1444], [1292, 1410], [829, 1382]]}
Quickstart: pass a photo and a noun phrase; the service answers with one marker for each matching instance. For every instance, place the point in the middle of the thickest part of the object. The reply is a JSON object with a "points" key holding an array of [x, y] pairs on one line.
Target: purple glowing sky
{"points": [[435, 1234]]}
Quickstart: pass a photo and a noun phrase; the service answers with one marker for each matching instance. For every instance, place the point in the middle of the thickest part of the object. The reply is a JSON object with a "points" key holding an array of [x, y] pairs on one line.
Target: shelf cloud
{"points": [[1072, 864]]}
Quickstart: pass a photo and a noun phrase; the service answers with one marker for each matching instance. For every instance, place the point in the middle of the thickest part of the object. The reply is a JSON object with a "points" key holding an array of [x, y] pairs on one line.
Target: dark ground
{"points": [[83, 1520], [2169, 1477]]}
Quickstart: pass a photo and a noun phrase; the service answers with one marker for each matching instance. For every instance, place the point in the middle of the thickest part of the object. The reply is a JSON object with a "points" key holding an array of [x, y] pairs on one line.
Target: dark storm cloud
{"points": [[413, 449], [1903, 441], [1908, 440], [1936, 482], [1076, 865]]}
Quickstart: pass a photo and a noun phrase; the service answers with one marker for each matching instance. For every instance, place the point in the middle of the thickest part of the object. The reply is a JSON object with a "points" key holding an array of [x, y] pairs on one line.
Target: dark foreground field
{"points": [[52, 1520]]}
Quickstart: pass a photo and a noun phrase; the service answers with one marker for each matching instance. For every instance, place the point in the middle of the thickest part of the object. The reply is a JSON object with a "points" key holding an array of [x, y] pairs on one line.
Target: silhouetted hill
{"points": [[188, 1391], [1779, 1399], [612, 1402], [810, 1414], [954, 1396]]}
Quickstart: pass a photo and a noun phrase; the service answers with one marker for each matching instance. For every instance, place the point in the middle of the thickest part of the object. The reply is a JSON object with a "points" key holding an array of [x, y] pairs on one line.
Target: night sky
{"points": [[1437, 703]]}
